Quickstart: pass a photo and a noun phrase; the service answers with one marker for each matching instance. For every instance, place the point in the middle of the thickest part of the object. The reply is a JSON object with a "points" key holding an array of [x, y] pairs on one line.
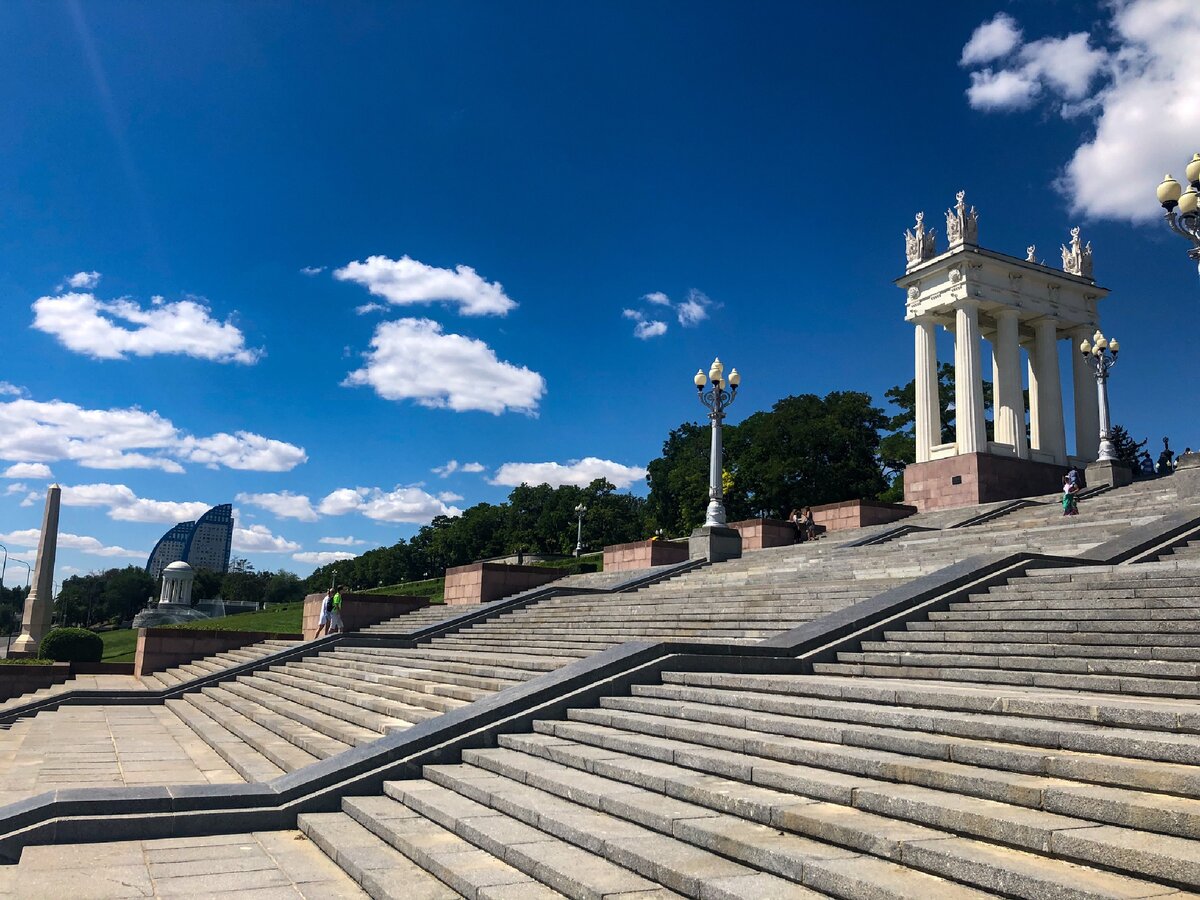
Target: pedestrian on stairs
{"points": [[335, 612], [1070, 503], [326, 610]]}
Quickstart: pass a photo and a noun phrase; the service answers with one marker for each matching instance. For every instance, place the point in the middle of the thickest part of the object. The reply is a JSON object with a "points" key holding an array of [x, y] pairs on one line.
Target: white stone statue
{"points": [[919, 244], [962, 225], [1031, 253], [1077, 259]]}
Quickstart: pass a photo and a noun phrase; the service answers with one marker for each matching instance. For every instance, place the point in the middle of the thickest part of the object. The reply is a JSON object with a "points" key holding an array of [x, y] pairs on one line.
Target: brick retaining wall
{"points": [[859, 514]]}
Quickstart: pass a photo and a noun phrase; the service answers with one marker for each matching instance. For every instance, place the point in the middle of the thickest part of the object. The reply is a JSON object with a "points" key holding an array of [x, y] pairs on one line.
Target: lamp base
{"points": [[1111, 472], [715, 543]]}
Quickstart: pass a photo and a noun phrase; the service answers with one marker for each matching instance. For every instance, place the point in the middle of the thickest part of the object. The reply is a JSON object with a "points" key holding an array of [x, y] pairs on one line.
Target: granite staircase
{"points": [[211, 665], [1039, 739], [291, 715]]}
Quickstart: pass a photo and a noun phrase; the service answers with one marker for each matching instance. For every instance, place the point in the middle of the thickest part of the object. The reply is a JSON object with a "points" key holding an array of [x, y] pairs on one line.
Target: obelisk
{"points": [[39, 605]]}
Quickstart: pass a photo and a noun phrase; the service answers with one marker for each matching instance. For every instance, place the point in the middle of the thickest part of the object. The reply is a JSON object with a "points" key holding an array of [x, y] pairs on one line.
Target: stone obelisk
{"points": [[39, 605]]}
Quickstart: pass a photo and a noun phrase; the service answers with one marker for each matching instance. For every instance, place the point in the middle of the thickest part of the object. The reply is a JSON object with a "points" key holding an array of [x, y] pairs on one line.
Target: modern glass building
{"points": [[203, 544]]}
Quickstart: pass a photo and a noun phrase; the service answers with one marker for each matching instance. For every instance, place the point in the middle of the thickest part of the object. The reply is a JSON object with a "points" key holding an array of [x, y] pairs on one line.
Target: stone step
{"points": [[1075, 638], [295, 714], [417, 691], [1018, 743], [1114, 684], [1004, 650], [383, 872], [859, 813], [1098, 613], [951, 657], [340, 706], [527, 787], [315, 743], [456, 665], [413, 676], [1016, 772], [1072, 624], [395, 703], [500, 661], [667, 845], [468, 868], [229, 741]]}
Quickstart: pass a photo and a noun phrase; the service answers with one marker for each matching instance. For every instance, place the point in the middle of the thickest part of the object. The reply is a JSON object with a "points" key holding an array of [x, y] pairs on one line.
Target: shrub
{"points": [[72, 645]]}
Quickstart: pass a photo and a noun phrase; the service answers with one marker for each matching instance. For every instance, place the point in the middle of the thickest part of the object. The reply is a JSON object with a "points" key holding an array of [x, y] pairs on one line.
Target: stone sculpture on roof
{"points": [[919, 244], [1077, 259], [962, 225]]}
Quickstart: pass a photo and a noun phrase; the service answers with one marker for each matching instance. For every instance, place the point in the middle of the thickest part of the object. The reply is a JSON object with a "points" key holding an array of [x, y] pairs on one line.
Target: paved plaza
{"points": [[273, 865]]}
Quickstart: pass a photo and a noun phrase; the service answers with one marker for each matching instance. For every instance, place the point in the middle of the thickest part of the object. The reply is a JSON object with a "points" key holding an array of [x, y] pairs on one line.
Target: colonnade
{"points": [[1047, 433]]}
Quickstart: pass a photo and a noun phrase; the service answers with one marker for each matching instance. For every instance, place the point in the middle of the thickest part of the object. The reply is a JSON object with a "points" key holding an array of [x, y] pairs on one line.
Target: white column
{"points": [[970, 431], [928, 408], [1007, 402], [1035, 439], [1051, 430], [1087, 407]]}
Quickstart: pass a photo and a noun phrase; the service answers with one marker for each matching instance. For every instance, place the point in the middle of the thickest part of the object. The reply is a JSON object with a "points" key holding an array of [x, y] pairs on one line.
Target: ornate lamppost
{"points": [[716, 399], [1101, 355], [579, 511], [1181, 206]]}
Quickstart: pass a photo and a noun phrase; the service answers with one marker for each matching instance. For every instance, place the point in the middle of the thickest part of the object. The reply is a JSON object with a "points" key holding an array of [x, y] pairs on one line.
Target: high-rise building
{"points": [[203, 544]]}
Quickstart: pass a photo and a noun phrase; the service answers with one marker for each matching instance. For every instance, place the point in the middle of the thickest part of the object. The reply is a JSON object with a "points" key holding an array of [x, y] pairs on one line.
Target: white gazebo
{"points": [[177, 581], [1014, 304]]}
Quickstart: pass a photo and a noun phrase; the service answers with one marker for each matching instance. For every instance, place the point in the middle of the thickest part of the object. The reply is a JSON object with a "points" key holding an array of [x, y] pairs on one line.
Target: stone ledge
{"points": [[360, 610], [643, 555], [485, 582], [164, 648]]}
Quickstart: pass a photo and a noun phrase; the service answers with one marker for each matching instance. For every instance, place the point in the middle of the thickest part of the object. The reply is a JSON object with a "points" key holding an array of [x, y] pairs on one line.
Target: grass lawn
{"points": [[119, 645], [284, 618]]}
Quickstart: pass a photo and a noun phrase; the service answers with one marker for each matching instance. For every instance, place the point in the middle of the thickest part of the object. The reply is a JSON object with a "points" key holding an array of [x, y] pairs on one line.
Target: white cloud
{"points": [[84, 280], [17, 487], [31, 498], [322, 557], [1143, 108], [453, 466], [242, 450], [28, 470], [694, 309], [11, 390], [370, 308], [310, 271], [342, 541], [43, 432], [449, 497], [580, 473], [406, 281], [403, 504], [1004, 90], [644, 328], [125, 506], [117, 328], [84, 544], [285, 505], [259, 539], [411, 359], [991, 40], [658, 298]]}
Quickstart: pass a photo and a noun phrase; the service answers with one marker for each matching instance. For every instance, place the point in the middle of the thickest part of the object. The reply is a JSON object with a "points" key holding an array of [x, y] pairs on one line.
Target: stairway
{"points": [[1040, 739]]}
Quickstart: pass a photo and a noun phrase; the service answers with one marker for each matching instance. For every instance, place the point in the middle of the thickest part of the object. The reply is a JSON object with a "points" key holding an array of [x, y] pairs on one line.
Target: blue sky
{"points": [[302, 257]]}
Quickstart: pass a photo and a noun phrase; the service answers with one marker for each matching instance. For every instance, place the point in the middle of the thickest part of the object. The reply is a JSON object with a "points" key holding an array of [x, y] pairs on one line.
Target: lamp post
{"points": [[579, 511], [1101, 355], [1181, 206], [28, 569], [4, 565], [716, 399]]}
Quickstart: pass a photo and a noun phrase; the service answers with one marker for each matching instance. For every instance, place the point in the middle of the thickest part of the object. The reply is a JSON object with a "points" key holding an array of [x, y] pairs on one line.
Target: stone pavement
{"points": [[263, 866], [104, 746]]}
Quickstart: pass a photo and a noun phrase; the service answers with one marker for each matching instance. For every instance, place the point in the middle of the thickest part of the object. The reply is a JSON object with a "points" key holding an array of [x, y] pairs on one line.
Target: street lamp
{"points": [[579, 511], [1101, 355], [4, 565], [28, 569], [1181, 206], [716, 400]]}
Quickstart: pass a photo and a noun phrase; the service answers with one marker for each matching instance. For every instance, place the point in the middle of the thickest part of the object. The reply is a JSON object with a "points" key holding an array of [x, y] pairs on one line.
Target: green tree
{"points": [[125, 592], [806, 451], [207, 585], [678, 480], [1128, 450], [283, 587], [244, 587]]}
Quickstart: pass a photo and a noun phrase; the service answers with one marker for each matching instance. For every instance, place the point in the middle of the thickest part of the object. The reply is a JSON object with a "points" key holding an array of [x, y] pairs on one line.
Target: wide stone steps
{"points": [[299, 723], [216, 663], [411, 688], [411, 673], [415, 620]]}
